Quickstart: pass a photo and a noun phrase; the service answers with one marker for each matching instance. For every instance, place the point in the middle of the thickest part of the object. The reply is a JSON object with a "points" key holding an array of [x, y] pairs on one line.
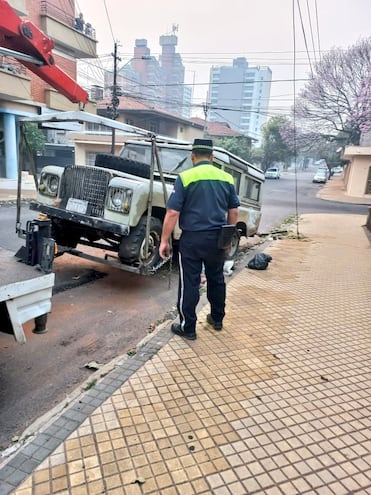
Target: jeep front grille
{"points": [[88, 184]]}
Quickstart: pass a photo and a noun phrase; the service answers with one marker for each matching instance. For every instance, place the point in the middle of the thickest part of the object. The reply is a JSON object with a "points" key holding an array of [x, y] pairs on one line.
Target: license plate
{"points": [[77, 205]]}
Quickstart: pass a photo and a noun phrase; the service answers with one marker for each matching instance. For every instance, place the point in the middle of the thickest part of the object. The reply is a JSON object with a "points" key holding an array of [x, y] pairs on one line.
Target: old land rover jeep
{"points": [[118, 205]]}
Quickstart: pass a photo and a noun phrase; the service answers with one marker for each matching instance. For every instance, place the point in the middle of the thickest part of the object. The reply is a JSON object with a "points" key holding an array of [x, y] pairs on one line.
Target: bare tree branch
{"points": [[338, 96]]}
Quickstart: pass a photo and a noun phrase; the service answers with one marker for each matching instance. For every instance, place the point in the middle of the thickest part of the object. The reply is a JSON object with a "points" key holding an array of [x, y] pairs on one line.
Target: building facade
{"points": [[239, 95], [157, 82], [22, 93]]}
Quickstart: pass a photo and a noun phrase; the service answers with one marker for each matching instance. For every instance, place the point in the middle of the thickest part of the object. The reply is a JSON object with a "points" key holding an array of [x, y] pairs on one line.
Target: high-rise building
{"points": [[171, 63], [157, 82], [239, 95]]}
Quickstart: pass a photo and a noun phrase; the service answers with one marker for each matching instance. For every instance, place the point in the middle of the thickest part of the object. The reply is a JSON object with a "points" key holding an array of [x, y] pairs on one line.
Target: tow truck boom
{"points": [[24, 41]]}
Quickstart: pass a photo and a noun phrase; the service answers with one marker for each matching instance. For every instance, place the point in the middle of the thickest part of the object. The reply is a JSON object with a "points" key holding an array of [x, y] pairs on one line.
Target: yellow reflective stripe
{"points": [[205, 172]]}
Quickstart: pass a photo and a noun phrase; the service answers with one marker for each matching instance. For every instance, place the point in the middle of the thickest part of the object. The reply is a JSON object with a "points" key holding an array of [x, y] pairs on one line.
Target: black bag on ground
{"points": [[259, 261]]}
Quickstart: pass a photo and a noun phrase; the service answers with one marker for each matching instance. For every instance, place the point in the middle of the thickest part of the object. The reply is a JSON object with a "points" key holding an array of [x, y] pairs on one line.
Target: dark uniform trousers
{"points": [[196, 248]]}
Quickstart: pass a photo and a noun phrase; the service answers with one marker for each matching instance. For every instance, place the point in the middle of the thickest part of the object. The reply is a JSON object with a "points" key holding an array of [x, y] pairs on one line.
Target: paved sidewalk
{"points": [[276, 403], [8, 189]]}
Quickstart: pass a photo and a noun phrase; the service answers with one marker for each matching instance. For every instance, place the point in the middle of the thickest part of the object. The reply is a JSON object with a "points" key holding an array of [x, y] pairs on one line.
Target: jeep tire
{"points": [[132, 247], [123, 165]]}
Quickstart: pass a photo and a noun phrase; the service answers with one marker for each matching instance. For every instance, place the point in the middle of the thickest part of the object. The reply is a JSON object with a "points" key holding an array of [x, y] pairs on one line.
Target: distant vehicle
{"points": [[324, 168], [320, 176], [337, 170], [272, 173]]}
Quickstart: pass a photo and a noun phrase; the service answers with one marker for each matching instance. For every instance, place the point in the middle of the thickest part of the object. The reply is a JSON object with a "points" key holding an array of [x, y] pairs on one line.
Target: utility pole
{"points": [[205, 107], [115, 102]]}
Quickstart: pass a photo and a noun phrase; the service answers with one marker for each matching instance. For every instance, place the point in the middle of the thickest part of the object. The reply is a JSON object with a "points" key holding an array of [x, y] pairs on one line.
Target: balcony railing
{"points": [[13, 66], [61, 15], [15, 84]]}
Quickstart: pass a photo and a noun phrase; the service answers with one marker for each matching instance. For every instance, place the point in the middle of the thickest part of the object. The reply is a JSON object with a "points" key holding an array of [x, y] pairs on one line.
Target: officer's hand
{"points": [[164, 250]]}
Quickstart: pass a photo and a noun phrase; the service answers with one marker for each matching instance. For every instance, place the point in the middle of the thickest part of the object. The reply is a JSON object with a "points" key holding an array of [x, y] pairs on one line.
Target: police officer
{"points": [[204, 198]]}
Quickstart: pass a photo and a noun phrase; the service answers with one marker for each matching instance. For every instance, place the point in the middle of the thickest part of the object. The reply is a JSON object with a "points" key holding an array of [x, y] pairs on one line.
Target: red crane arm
{"points": [[25, 38]]}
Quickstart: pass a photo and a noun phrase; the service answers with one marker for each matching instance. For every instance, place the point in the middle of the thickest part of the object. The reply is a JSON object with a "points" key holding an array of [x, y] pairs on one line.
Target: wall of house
{"points": [[358, 175], [67, 65]]}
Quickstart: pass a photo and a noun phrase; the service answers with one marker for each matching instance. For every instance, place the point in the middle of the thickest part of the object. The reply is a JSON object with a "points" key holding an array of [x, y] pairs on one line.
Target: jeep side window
{"points": [[252, 189], [236, 177]]}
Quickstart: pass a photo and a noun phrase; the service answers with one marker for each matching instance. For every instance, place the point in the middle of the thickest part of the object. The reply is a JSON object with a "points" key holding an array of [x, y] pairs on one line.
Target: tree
{"points": [[239, 146], [33, 142], [35, 137], [275, 149], [336, 102]]}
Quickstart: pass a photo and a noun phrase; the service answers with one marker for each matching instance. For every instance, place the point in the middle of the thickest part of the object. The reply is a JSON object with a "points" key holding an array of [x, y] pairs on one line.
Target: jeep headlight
{"points": [[49, 184], [119, 199]]}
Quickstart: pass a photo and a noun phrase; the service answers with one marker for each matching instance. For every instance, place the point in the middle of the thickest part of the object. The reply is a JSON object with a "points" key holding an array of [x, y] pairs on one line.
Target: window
{"points": [[137, 153], [97, 128], [236, 177], [90, 157], [171, 159], [153, 127], [252, 189], [175, 159], [368, 184]]}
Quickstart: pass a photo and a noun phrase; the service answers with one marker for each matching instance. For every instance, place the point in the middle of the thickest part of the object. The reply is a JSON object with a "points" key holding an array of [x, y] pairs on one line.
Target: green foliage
{"points": [[239, 146], [34, 136], [257, 155], [274, 147]]}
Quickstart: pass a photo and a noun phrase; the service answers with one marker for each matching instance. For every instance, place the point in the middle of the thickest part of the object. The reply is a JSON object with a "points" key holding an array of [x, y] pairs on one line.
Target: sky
{"points": [[211, 33]]}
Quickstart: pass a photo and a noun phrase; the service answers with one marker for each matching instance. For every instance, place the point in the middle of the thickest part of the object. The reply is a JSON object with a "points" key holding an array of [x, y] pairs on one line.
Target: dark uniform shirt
{"points": [[202, 195]]}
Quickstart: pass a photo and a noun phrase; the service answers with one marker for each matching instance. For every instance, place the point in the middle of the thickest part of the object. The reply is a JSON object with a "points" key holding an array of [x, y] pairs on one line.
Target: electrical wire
{"points": [[109, 20], [318, 35], [305, 39], [311, 31]]}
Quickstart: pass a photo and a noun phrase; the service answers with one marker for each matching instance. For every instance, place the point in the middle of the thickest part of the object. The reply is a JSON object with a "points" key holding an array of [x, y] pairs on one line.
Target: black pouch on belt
{"points": [[225, 237]]}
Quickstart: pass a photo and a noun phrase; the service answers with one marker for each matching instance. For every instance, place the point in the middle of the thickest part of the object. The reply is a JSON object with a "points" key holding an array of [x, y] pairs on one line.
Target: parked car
{"points": [[325, 169], [320, 176], [272, 173], [337, 170]]}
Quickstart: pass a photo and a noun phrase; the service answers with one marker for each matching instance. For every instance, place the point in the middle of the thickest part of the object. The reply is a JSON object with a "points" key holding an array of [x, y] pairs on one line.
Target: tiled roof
{"points": [[128, 103], [220, 129]]}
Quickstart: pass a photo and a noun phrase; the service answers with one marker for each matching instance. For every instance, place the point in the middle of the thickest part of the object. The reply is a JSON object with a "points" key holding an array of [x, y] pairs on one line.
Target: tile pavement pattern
{"points": [[276, 403]]}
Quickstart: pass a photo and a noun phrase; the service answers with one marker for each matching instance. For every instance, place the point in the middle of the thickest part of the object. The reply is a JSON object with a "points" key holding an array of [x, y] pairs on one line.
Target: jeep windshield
{"points": [[172, 160]]}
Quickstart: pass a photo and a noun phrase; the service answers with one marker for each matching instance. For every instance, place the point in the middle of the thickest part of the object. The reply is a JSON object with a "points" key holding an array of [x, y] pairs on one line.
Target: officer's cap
{"points": [[202, 145]]}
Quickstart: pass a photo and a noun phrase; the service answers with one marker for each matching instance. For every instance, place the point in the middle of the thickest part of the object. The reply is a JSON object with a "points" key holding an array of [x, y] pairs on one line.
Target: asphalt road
{"points": [[296, 194], [100, 313]]}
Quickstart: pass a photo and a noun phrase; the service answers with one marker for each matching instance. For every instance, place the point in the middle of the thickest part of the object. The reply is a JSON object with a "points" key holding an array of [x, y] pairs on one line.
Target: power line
{"points": [[318, 36], [311, 30], [109, 20], [304, 36]]}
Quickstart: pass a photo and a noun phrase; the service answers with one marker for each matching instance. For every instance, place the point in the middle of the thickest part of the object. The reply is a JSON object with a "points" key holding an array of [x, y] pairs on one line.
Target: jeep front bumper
{"points": [[80, 219]]}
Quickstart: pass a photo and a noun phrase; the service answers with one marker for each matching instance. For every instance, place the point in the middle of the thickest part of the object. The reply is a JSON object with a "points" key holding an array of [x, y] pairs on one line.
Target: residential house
{"points": [[22, 92], [357, 173], [133, 112]]}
